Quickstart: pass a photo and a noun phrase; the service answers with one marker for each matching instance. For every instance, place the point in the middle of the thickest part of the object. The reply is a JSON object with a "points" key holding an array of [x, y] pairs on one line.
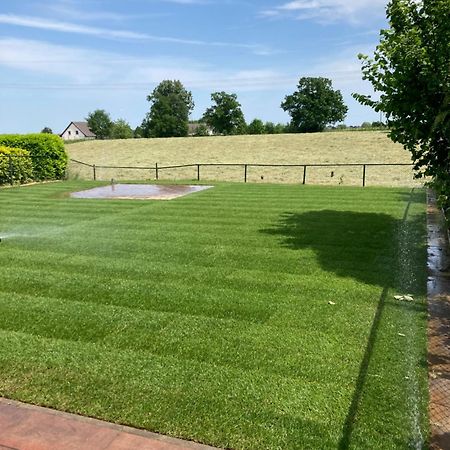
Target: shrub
{"points": [[15, 165], [202, 130], [47, 153]]}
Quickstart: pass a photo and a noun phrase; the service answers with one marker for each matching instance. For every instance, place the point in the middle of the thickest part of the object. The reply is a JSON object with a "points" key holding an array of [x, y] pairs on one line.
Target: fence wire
{"points": [[357, 174]]}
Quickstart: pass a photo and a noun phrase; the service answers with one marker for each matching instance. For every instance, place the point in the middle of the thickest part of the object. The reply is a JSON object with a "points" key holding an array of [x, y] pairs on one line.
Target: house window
{"points": [[76, 132], [69, 132]]}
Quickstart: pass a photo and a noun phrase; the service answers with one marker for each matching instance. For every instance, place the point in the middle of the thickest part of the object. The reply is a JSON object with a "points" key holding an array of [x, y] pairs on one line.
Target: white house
{"points": [[194, 126], [77, 130]]}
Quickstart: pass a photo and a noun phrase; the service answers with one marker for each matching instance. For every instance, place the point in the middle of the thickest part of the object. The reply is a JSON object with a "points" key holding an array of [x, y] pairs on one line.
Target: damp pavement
{"points": [[438, 326], [139, 191], [27, 427]]}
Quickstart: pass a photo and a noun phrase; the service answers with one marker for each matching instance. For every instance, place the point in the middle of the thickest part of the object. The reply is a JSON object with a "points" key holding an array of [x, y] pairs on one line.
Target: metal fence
{"points": [[356, 174]]}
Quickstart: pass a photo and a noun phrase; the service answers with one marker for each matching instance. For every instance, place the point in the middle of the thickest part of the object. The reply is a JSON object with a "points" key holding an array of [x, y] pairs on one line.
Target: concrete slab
{"points": [[139, 191]]}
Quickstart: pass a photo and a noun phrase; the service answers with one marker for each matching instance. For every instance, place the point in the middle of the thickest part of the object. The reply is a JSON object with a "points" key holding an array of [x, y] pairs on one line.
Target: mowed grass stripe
{"points": [[295, 312], [161, 243], [171, 387], [238, 316], [202, 339], [205, 230], [219, 300], [247, 193], [241, 268], [153, 269], [170, 238]]}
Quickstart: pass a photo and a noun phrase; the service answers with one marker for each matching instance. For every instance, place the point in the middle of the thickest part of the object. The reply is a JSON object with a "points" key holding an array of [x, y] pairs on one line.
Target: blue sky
{"points": [[61, 59]]}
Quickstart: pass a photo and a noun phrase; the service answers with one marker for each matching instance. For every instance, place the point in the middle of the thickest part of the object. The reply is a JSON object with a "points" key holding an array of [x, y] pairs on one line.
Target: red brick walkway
{"points": [[438, 327], [26, 427]]}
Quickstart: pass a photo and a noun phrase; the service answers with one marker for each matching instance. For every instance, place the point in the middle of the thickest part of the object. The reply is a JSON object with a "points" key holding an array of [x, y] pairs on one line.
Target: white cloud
{"points": [[299, 5], [72, 64], [70, 67], [95, 68], [188, 2], [87, 77], [77, 9], [83, 69], [68, 27], [328, 10]]}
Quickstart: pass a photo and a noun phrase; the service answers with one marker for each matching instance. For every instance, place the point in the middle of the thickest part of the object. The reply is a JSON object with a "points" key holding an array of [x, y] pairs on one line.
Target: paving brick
{"points": [[438, 327], [27, 427]]}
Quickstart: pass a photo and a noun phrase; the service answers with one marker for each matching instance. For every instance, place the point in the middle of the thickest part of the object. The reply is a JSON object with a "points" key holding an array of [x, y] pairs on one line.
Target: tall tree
{"points": [[100, 123], [226, 116], [138, 132], [169, 112], [314, 105], [411, 71], [256, 126], [121, 130]]}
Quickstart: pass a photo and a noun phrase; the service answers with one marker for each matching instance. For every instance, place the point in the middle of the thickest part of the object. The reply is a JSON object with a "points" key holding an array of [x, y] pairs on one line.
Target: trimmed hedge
{"points": [[46, 150], [19, 168]]}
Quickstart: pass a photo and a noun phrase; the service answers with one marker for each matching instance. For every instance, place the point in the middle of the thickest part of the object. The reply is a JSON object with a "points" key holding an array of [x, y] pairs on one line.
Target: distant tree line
{"points": [[100, 123], [313, 107], [376, 125]]}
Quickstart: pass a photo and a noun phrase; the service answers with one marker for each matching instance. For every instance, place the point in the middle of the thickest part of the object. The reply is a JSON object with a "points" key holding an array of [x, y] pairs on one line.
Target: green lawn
{"points": [[209, 318]]}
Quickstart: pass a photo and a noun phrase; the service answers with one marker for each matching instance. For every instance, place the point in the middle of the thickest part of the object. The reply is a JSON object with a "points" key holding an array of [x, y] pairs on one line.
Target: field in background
{"points": [[245, 316], [317, 148]]}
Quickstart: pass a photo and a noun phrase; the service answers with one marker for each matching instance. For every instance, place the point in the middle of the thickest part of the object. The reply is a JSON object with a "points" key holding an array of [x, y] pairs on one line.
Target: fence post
{"points": [[95, 173], [11, 170], [156, 171], [245, 173], [198, 172], [364, 176], [304, 175]]}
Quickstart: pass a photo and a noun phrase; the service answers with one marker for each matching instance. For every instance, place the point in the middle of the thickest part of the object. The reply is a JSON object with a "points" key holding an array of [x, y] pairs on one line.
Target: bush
{"points": [[202, 130], [47, 153], [15, 165]]}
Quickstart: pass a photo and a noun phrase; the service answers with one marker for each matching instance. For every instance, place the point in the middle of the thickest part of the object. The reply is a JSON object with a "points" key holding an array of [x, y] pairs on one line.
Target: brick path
{"points": [[27, 427], [438, 327]]}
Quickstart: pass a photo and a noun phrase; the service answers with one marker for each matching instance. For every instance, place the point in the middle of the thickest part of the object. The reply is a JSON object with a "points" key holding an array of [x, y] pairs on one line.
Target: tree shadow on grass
{"points": [[347, 243], [373, 248]]}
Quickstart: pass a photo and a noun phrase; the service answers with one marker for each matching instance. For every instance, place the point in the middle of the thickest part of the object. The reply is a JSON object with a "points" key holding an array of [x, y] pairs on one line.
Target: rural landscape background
{"points": [[342, 147]]}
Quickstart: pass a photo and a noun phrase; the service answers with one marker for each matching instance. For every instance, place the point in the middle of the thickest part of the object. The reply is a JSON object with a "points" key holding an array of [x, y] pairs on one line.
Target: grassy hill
{"points": [[317, 148]]}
